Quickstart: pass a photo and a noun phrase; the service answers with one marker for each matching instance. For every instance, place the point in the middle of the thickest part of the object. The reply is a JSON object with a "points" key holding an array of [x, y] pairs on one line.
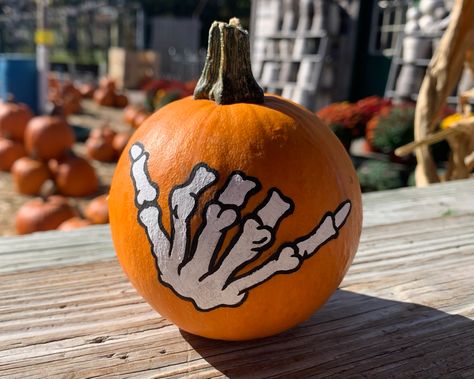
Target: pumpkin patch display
{"points": [[43, 214], [48, 137], [233, 213], [13, 120], [10, 151], [29, 175], [74, 176]]}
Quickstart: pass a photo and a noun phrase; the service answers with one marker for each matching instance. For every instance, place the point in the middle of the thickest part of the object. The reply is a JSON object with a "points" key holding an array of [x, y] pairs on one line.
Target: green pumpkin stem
{"points": [[227, 75]]}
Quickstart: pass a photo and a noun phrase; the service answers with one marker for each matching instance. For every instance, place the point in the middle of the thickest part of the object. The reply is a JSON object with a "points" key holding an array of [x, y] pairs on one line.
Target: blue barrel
{"points": [[18, 76]]}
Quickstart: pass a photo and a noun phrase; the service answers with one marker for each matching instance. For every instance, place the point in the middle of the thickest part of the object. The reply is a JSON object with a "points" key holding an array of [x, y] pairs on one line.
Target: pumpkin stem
{"points": [[227, 75]]}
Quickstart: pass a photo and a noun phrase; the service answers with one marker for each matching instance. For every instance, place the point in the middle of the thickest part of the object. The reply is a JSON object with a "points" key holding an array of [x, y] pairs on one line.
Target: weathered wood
{"points": [[405, 309]]}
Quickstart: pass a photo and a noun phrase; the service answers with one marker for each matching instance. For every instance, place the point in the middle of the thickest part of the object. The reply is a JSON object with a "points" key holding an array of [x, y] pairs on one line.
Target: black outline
{"points": [[213, 267]]}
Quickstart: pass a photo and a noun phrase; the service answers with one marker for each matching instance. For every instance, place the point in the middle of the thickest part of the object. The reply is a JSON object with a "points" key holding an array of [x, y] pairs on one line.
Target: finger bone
{"points": [[144, 190], [273, 210], [236, 190]]}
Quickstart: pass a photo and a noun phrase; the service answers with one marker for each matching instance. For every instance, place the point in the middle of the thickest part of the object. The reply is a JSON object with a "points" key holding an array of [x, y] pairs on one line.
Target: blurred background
{"points": [[104, 66]]}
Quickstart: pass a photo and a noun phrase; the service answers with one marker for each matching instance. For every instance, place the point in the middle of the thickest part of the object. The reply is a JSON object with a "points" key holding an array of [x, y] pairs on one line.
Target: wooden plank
{"points": [[410, 204], [50, 249], [405, 309]]}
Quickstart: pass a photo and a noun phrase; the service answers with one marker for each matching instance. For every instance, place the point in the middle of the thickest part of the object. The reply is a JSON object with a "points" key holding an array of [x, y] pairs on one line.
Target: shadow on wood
{"points": [[354, 334]]}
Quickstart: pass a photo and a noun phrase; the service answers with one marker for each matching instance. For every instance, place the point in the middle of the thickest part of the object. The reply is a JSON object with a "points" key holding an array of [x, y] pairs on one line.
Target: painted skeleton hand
{"points": [[190, 267]]}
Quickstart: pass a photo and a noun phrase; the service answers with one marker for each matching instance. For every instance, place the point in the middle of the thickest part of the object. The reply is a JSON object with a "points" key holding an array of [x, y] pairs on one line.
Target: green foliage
{"points": [[378, 176], [394, 129]]}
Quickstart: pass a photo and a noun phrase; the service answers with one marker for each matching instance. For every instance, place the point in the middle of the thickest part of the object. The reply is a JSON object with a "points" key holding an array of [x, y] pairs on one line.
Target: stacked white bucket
{"points": [[424, 25], [293, 44]]}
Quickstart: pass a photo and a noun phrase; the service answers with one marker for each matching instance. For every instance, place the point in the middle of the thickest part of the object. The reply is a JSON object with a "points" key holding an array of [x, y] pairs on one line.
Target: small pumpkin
{"points": [[104, 97], [43, 214], [87, 90], [140, 118], [13, 120], [97, 211], [104, 132], [73, 223], [121, 100], [119, 142], [10, 151], [74, 176], [107, 83], [100, 149], [234, 214], [48, 137], [130, 113], [29, 175]]}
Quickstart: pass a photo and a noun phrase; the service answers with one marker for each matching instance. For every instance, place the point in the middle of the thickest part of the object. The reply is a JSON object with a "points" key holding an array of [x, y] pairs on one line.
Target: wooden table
{"points": [[405, 309]]}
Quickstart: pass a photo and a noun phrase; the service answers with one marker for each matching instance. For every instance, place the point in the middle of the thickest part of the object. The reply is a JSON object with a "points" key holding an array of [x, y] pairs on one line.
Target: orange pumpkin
{"points": [[107, 83], [100, 149], [73, 223], [104, 132], [139, 119], [104, 97], [87, 90], [48, 137], [130, 113], [234, 214], [121, 101], [97, 211], [10, 151], [29, 175], [13, 120], [74, 176], [43, 214], [119, 142]]}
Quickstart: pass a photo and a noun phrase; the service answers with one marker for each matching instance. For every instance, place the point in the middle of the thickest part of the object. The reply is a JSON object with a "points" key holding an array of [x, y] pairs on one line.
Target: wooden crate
{"points": [[130, 68]]}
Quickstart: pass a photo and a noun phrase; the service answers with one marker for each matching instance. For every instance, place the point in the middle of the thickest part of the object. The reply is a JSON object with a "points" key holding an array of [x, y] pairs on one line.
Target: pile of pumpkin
{"points": [[37, 152], [159, 92], [107, 95]]}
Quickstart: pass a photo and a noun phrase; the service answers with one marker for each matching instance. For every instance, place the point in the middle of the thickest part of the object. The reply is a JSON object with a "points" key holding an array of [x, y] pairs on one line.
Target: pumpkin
{"points": [[97, 211], [129, 113], [107, 84], [139, 119], [234, 214], [104, 97], [13, 120], [119, 142], [43, 214], [74, 176], [73, 223], [104, 132], [87, 90], [121, 101], [10, 151], [100, 149], [48, 137], [29, 175]]}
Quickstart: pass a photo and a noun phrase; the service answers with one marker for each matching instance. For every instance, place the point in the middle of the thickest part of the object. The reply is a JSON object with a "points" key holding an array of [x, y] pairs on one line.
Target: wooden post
{"points": [[42, 53]]}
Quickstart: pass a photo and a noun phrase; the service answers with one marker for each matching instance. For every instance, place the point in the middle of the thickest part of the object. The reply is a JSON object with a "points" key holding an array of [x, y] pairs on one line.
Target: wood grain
{"points": [[405, 309]]}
